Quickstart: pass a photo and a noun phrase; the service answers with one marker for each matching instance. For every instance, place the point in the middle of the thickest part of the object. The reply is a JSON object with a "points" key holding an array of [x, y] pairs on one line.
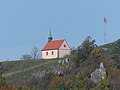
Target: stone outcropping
{"points": [[99, 74]]}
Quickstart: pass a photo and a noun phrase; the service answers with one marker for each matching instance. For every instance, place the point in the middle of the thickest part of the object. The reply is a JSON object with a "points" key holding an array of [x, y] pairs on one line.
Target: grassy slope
{"points": [[22, 70], [27, 69], [11, 66]]}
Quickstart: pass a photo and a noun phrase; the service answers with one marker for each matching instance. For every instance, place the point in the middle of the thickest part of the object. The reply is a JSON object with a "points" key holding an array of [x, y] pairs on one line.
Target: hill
{"points": [[61, 74]]}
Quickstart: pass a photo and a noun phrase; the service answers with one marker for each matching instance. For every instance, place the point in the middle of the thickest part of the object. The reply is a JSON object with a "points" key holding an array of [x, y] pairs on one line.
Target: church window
{"points": [[64, 45], [52, 53], [46, 53]]}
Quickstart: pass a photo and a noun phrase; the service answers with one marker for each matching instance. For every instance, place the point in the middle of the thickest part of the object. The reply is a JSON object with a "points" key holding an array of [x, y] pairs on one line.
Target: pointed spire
{"points": [[50, 36]]}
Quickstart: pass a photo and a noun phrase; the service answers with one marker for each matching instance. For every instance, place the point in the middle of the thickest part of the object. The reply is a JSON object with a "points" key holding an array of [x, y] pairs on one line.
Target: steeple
{"points": [[50, 37]]}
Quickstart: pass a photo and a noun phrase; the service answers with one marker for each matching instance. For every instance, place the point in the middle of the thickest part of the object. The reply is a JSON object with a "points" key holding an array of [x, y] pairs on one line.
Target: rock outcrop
{"points": [[99, 74]]}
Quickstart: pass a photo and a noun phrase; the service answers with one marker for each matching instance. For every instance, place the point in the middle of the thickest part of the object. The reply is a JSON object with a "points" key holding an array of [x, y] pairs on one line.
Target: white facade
{"points": [[50, 54], [62, 51]]}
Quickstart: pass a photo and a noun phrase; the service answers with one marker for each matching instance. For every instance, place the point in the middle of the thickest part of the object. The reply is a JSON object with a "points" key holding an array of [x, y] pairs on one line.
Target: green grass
{"points": [[12, 66], [19, 72], [26, 69]]}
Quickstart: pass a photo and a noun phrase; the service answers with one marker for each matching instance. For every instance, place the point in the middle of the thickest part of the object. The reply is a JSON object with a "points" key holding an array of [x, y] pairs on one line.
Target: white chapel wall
{"points": [[50, 56]]}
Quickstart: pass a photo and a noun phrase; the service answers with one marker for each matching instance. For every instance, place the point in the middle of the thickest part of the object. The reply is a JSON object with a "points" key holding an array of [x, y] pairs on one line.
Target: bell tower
{"points": [[50, 37]]}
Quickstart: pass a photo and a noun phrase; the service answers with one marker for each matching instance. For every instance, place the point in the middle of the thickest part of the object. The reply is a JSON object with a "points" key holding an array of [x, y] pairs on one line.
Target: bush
{"points": [[57, 83]]}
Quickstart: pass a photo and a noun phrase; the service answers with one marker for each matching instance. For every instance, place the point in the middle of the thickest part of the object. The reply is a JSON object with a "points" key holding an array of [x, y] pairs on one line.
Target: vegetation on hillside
{"points": [[43, 75], [86, 58], [2, 79]]}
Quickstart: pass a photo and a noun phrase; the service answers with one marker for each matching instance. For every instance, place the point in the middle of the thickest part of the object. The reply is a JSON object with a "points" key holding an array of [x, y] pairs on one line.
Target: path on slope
{"points": [[33, 67]]}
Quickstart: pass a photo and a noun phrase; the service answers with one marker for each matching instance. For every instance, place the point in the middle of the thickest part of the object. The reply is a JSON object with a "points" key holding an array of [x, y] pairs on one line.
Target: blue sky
{"points": [[26, 23]]}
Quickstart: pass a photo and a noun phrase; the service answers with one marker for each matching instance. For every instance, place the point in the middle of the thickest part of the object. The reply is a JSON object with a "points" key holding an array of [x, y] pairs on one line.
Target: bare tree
{"points": [[35, 53], [26, 57]]}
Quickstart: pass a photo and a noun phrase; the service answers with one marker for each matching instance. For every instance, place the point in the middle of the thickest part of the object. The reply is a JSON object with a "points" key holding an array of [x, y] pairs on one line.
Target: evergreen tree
{"points": [[84, 50]]}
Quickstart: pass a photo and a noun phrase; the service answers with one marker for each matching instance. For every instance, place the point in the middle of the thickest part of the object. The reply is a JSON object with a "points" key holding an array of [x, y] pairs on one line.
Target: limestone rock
{"points": [[99, 74]]}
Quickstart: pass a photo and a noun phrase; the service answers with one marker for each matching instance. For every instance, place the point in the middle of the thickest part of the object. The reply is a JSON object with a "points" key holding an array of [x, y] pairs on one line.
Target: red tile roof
{"points": [[55, 44]]}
